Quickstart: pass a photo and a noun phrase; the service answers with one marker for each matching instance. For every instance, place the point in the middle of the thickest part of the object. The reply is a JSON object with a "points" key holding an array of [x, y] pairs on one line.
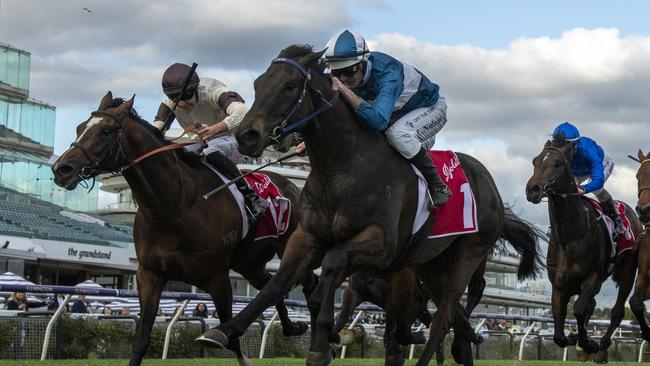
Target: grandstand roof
{"points": [[48, 222]]}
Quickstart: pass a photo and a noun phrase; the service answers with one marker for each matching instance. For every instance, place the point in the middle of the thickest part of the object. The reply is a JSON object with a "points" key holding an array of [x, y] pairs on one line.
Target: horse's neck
{"points": [[155, 182], [569, 217]]}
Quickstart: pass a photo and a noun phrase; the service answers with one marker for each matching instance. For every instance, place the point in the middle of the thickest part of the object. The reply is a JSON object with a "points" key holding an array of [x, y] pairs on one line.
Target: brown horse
{"points": [[178, 235], [642, 284], [578, 256], [357, 208]]}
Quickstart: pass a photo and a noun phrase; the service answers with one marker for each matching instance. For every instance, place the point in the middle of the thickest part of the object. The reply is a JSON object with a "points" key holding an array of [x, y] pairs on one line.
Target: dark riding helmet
{"points": [[174, 78]]}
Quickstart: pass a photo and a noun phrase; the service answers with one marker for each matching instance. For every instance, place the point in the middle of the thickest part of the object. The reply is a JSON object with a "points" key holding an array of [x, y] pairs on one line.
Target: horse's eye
{"points": [[290, 86], [558, 164], [106, 131]]}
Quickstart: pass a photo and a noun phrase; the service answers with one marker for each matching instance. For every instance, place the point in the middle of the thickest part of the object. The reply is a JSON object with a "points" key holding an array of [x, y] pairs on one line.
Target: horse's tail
{"points": [[524, 238]]}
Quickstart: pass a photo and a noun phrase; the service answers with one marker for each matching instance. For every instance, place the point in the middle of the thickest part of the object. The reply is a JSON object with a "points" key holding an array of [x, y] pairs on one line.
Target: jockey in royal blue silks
{"points": [[591, 167], [391, 97]]}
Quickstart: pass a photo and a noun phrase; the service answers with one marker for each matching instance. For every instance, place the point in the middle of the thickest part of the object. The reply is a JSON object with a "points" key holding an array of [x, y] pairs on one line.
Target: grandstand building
{"points": [[44, 237]]}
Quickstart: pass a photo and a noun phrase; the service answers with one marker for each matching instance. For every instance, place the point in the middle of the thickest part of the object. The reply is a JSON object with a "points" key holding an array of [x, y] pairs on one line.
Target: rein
{"points": [[286, 128]]}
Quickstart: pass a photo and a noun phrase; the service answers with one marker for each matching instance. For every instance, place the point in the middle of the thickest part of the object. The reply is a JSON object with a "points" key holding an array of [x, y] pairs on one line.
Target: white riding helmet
{"points": [[346, 49]]}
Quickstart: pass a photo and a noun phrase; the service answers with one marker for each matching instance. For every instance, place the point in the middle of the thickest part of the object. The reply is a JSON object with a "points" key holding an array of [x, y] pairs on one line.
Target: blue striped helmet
{"points": [[345, 49], [571, 132]]}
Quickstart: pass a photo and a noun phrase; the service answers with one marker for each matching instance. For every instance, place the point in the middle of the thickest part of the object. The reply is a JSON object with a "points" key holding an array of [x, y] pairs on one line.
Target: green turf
{"points": [[281, 362]]}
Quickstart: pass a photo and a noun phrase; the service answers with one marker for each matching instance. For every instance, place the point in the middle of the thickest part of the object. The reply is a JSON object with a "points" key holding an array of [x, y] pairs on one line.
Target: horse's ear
{"points": [[128, 105], [105, 100], [641, 156], [309, 60], [548, 143]]}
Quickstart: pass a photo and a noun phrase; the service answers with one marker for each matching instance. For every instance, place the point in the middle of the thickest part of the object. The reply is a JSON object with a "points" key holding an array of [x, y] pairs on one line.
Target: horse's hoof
{"points": [[418, 338], [591, 347], [477, 339], [297, 329], [213, 338], [346, 337], [561, 341], [319, 358], [394, 360], [457, 352], [582, 356], [244, 361], [603, 357], [572, 339]]}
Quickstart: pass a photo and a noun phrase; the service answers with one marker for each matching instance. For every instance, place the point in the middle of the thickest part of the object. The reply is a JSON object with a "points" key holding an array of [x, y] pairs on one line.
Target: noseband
{"points": [[548, 187], [92, 168], [284, 127]]}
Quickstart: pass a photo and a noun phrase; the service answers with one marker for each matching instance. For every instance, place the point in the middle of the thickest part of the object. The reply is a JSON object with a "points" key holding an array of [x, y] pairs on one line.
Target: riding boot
{"points": [[610, 210], [438, 189], [254, 204]]}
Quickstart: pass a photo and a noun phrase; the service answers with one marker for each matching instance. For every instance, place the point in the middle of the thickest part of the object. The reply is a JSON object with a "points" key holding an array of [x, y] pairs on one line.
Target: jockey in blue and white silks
{"points": [[392, 97], [591, 167]]}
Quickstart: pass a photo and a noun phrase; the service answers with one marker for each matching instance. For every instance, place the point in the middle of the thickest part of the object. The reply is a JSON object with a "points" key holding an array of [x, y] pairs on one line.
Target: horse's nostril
{"points": [[248, 137], [64, 169]]}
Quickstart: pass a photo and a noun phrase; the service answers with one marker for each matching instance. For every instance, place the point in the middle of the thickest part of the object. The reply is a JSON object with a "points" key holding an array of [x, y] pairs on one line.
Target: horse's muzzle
{"points": [[65, 175], [644, 213], [534, 193], [249, 142]]}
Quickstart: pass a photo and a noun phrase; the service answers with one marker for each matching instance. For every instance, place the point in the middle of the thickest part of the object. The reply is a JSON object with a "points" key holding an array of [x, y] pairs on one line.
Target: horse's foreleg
{"points": [[332, 275], [641, 293], [583, 308], [258, 277], [367, 247], [559, 301], [394, 355], [221, 291], [625, 283], [300, 256], [150, 285]]}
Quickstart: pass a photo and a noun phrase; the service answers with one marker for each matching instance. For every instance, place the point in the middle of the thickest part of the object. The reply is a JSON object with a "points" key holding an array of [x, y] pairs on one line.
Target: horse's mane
{"points": [[296, 51], [191, 159]]}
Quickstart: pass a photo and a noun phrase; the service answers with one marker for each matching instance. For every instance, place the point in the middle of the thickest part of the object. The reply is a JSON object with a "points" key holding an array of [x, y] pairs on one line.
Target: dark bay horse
{"points": [[357, 208], [578, 256], [178, 235], [642, 283]]}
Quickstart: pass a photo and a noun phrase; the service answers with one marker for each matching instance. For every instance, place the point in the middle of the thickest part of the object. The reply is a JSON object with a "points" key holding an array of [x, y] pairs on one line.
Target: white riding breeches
{"points": [[225, 144], [417, 129]]}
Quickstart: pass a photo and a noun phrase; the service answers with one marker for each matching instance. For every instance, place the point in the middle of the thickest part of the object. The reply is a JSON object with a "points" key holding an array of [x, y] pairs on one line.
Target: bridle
{"points": [[116, 148], [548, 187], [644, 188], [284, 127]]}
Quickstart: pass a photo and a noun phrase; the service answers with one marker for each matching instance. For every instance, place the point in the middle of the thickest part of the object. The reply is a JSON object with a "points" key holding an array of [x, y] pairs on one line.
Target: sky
{"points": [[509, 70]]}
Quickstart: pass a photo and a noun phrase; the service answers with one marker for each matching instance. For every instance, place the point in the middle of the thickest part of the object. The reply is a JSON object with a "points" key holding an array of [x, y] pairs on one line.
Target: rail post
{"points": [[168, 333], [50, 324], [354, 322], [265, 334]]}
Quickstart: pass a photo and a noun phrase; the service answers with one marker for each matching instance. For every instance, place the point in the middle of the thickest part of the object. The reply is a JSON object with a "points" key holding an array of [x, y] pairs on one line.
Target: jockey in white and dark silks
{"points": [[591, 167], [218, 111], [391, 97]]}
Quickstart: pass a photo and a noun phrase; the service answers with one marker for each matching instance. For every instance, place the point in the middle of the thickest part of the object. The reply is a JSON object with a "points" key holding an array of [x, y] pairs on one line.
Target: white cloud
{"points": [[516, 96]]}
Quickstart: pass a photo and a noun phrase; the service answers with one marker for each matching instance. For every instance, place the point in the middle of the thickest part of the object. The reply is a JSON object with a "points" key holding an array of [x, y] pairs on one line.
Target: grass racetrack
{"points": [[283, 362]]}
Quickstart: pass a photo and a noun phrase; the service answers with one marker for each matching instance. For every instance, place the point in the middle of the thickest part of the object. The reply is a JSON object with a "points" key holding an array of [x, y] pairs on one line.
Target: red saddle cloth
{"points": [[275, 221], [626, 241], [458, 215]]}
